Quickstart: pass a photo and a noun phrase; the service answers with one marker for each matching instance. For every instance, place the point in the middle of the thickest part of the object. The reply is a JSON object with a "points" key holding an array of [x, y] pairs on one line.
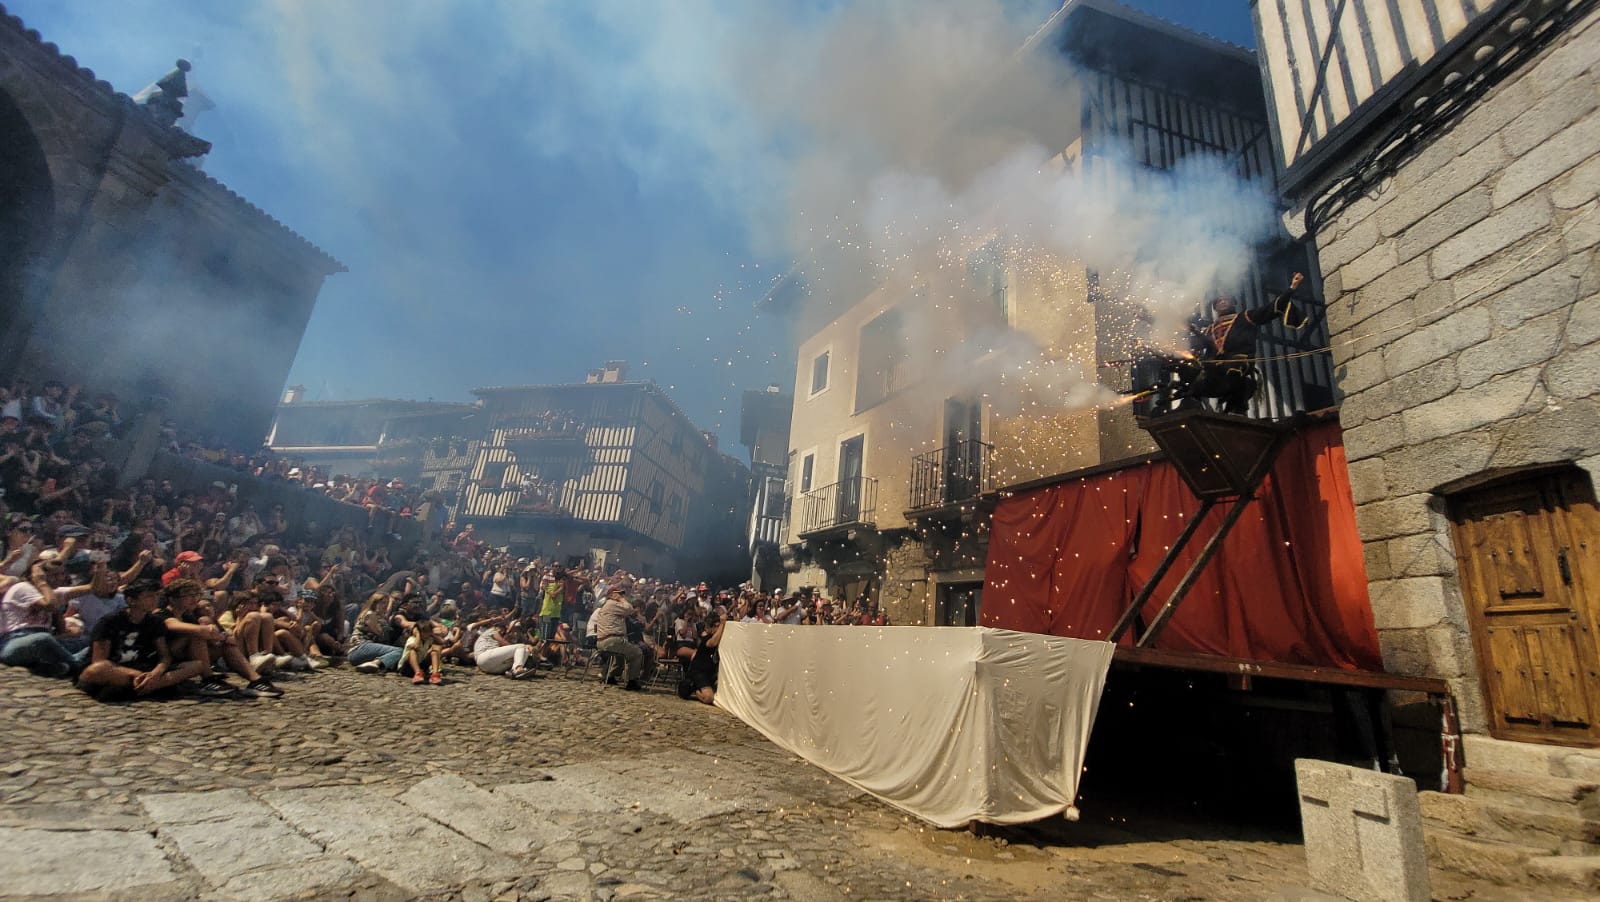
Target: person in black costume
{"points": [[1224, 365], [700, 678]]}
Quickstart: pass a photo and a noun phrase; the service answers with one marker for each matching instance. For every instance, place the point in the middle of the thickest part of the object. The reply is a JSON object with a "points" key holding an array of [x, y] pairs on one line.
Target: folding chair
{"points": [[668, 672], [601, 660]]}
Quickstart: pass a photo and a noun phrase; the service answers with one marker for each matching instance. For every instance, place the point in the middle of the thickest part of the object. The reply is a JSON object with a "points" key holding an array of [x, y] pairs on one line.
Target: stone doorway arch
{"points": [[27, 219]]}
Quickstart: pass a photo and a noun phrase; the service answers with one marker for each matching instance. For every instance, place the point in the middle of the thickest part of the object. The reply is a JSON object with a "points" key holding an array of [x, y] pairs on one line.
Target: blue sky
{"points": [[522, 190]]}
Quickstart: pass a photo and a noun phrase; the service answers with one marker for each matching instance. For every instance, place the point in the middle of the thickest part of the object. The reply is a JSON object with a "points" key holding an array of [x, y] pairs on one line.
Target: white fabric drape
{"points": [[949, 724]]}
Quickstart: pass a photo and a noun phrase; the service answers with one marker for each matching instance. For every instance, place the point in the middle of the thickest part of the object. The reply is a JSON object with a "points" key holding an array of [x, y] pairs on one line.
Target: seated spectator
{"points": [[700, 677], [611, 634], [502, 648], [129, 656], [290, 637], [328, 614], [367, 651], [29, 614], [253, 629], [421, 646], [193, 635], [188, 565], [103, 597]]}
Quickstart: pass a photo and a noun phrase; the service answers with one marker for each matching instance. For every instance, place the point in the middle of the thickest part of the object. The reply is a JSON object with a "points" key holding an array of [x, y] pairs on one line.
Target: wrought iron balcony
{"points": [[950, 475], [844, 503]]}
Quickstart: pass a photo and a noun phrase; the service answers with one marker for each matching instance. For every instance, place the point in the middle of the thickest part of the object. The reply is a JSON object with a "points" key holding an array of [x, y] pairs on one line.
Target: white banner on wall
{"points": [[949, 724]]}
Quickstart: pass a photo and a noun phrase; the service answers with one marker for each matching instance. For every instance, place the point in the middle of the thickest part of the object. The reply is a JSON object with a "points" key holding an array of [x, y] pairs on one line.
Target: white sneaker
{"points": [[316, 663], [283, 662], [373, 666], [263, 663]]}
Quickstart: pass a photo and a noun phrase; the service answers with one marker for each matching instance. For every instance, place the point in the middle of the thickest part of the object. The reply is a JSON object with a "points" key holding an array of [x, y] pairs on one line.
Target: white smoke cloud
{"points": [[885, 136]]}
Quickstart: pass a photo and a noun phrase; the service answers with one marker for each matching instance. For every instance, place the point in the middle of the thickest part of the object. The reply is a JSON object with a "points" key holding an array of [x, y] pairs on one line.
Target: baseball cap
{"points": [[189, 557]]}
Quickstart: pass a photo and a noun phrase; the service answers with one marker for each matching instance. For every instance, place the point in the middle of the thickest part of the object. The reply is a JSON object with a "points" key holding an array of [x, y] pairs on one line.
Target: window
{"points": [[819, 372], [656, 491], [772, 498], [674, 510], [882, 361], [807, 467], [990, 283], [494, 474]]}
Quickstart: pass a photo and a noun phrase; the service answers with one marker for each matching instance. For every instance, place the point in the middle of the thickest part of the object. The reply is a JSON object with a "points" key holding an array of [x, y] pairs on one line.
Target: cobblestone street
{"points": [[370, 788]]}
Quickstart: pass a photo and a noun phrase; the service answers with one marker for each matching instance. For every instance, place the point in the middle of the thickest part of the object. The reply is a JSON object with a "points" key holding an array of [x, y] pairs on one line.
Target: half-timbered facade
{"points": [[607, 471]]}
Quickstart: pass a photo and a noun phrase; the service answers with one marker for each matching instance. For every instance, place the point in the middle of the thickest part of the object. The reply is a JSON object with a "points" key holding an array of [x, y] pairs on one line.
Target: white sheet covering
{"points": [[949, 724]]}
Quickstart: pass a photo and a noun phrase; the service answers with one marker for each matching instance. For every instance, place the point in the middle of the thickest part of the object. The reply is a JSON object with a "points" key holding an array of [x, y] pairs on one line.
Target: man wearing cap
{"points": [[789, 610], [611, 635], [129, 657], [187, 566]]}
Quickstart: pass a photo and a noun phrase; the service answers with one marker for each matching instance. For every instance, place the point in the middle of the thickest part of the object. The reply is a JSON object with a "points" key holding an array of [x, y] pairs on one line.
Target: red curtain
{"points": [[1288, 585]]}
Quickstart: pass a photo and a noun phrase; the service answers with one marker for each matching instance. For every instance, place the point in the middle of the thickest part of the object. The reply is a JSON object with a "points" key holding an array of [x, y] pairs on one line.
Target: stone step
{"points": [[389, 838], [1483, 819], [1484, 859], [1567, 871], [1554, 795], [1527, 758]]}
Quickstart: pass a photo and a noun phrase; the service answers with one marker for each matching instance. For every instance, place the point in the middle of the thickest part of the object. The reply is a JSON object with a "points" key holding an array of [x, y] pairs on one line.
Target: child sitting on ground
{"points": [[421, 644]]}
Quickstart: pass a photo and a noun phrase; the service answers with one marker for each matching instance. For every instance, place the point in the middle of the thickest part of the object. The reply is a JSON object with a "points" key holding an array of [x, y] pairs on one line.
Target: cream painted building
{"points": [[912, 408]]}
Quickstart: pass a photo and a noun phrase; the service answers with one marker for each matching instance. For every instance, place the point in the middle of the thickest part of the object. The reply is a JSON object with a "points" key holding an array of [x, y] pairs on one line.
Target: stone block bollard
{"points": [[1363, 833]]}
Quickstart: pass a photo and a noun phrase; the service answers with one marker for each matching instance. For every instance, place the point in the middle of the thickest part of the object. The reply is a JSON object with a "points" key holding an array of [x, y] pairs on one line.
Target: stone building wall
{"points": [[904, 596], [112, 244], [1464, 305]]}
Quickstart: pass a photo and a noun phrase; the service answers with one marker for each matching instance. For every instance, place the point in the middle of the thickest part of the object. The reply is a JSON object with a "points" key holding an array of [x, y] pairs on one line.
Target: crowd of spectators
{"points": [[385, 499], [541, 424], [146, 588]]}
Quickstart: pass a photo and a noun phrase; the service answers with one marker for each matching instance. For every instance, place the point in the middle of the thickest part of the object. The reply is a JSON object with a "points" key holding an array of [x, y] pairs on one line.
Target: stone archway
{"points": [[27, 214]]}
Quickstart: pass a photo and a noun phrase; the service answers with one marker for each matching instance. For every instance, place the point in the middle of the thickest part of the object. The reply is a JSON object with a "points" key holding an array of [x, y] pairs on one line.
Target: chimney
{"points": [[294, 394], [615, 371]]}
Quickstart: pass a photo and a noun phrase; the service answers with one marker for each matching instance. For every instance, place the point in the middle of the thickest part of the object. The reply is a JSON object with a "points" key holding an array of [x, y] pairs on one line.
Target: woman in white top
{"points": [[500, 648]]}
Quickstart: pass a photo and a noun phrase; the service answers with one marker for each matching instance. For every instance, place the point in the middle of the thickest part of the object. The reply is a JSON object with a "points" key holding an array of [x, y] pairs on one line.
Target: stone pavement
{"points": [[366, 787]]}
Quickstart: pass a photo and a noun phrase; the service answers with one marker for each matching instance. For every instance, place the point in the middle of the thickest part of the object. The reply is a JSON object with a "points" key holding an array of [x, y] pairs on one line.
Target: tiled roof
{"points": [[328, 259], [1140, 17]]}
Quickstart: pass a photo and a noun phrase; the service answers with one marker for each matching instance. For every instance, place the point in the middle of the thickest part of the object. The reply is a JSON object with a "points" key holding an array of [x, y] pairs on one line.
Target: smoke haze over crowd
{"points": [[522, 190]]}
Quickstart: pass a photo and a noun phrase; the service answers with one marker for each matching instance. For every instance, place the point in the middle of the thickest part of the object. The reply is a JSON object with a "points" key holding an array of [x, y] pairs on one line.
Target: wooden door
{"points": [[1525, 552]]}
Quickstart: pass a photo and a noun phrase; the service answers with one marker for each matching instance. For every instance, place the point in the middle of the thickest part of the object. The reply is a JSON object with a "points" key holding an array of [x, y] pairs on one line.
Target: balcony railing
{"points": [[950, 475], [840, 504], [538, 501], [536, 442], [766, 530]]}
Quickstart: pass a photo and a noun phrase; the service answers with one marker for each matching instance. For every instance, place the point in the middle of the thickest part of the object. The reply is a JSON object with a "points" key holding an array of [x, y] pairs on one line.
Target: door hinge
{"points": [[1564, 566]]}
